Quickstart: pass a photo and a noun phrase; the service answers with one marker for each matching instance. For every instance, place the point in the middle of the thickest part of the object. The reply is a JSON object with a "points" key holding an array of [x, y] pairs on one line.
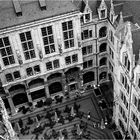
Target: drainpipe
{"points": [[96, 53]]}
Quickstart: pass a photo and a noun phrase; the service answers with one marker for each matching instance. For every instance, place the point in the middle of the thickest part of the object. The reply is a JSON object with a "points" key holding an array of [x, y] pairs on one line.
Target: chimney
{"points": [[17, 7], [42, 4]]}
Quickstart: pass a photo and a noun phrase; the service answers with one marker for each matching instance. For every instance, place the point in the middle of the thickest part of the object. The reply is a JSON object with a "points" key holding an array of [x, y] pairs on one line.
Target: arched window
{"points": [[55, 87], [103, 75], [38, 94], [55, 75], [20, 99], [88, 77], [103, 61], [102, 32], [102, 47]]}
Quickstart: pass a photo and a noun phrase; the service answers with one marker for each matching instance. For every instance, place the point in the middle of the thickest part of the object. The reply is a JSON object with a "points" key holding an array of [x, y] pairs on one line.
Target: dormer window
{"points": [[87, 17], [82, 19], [102, 13], [102, 10]]}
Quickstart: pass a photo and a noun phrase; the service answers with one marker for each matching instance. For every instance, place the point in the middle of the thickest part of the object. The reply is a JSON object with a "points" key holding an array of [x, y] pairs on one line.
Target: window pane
{"points": [[9, 77], [71, 34], [90, 63], [29, 71], [28, 35], [84, 51], [1, 43], [3, 52], [74, 58], [52, 47], [16, 74], [72, 43], [24, 45], [32, 53], [45, 40], [66, 44], [49, 65], [56, 63], [51, 39], [85, 34], [43, 30], [6, 41], [68, 60], [49, 28], [84, 65], [70, 26], [5, 61], [64, 26], [11, 59], [65, 35], [22, 37], [47, 50], [37, 69], [27, 56], [30, 45], [9, 50]]}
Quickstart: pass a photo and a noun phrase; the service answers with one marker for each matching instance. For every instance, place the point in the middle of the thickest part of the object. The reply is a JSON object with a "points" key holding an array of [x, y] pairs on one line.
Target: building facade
{"points": [[47, 51]]}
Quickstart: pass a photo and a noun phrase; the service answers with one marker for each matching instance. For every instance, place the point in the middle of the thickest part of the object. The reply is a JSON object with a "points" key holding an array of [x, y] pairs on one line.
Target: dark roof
{"points": [[118, 8], [132, 8], [136, 42], [31, 11]]}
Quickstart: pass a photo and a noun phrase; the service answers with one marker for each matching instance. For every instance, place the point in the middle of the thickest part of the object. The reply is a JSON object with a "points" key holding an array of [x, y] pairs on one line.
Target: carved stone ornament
{"points": [[39, 52], [60, 46], [19, 57]]}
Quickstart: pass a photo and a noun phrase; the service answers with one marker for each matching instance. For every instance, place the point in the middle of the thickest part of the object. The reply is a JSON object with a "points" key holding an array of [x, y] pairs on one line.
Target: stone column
{"points": [[64, 84], [29, 95], [13, 110], [47, 90]]}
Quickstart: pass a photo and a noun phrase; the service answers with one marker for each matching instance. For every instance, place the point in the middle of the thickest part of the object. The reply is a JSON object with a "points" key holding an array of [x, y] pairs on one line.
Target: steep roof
{"points": [[31, 11]]}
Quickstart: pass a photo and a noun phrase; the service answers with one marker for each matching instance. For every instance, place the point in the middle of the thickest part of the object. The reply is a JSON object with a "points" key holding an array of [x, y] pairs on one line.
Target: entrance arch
{"points": [[55, 87], [20, 99], [88, 77]]}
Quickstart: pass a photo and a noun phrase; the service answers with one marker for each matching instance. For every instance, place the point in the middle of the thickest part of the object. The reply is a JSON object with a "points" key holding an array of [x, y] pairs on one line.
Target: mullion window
{"points": [[6, 51], [27, 45], [67, 28], [48, 39]]}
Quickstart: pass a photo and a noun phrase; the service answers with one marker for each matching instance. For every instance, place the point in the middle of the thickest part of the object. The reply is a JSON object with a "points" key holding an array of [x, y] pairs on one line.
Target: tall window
{"points": [[56, 63], [67, 28], [27, 45], [87, 17], [103, 47], [6, 51], [87, 50], [86, 34], [48, 39]]}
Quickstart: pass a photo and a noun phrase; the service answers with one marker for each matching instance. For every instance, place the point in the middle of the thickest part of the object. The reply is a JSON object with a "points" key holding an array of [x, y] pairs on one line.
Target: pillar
{"points": [[13, 110], [47, 90], [29, 96], [64, 84]]}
